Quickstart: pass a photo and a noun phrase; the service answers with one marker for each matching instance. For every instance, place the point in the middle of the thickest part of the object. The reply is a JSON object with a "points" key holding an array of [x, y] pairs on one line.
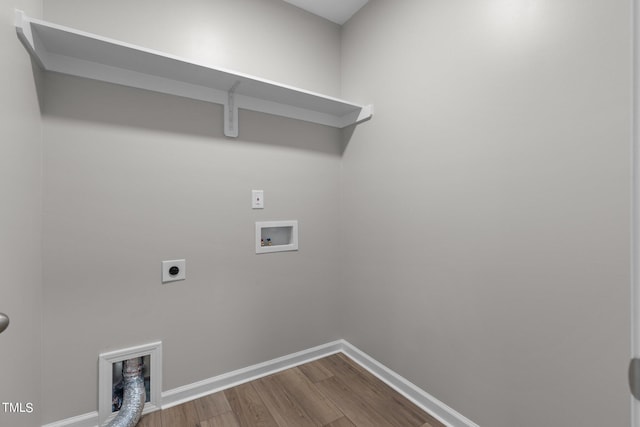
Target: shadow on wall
{"points": [[87, 100], [38, 78], [345, 136]]}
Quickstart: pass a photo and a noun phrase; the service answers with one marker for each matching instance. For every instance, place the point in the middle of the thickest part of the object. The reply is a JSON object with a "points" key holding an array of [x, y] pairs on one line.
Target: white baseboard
{"points": [[86, 420], [189, 392], [415, 394], [221, 382]]}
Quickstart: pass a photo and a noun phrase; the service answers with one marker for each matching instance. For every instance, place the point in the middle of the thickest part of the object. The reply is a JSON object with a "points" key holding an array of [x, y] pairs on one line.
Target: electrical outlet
{"points": [[174, 270]]}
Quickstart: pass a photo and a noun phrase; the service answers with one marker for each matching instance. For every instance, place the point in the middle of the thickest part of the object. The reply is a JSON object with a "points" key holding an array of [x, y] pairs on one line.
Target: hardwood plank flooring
{"points": [[228, 419], [293, 400], [153, 419], [212, 406], [248, 407], [184, 415], [330, 392], [315, 372], [342, 422]]}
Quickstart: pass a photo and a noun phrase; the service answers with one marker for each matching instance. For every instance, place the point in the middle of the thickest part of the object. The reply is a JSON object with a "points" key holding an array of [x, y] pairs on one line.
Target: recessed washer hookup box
{"points": [[276, 236]]}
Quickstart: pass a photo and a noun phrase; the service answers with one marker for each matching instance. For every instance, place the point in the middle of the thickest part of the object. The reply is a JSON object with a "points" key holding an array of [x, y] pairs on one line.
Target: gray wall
{"points": [[133, 178], [486, 229], [267, 38], [20, 222], [482, 215]]}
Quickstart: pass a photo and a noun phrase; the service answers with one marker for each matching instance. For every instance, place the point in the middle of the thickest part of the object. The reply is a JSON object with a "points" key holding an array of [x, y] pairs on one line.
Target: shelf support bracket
{"points": [[25, 35], [231, 113]]}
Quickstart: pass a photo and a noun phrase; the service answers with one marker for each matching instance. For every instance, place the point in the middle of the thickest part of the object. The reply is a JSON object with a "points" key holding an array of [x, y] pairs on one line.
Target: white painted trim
{"points": [[85, 420], [415, 394], [193, 391]]}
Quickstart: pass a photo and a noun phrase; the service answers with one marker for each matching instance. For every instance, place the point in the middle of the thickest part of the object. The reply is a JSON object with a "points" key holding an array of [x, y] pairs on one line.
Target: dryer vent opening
{"points": [[133, 394], [117, 381], [141, 368]]}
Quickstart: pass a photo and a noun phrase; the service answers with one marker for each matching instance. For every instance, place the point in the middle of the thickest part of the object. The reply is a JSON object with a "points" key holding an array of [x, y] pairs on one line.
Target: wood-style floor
{"points": [[330, 392]]}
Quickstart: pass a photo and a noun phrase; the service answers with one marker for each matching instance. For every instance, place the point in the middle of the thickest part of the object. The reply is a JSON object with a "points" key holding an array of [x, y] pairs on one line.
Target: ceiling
{"points": [[338, 11]]}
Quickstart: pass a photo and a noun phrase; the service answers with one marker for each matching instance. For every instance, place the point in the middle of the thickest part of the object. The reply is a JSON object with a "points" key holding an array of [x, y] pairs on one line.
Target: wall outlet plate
{"points": [[174, 270], [257, 199]]}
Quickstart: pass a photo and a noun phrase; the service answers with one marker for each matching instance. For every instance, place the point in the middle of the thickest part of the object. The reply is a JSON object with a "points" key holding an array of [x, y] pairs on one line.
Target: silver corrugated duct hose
{"points": [[134, 395]]}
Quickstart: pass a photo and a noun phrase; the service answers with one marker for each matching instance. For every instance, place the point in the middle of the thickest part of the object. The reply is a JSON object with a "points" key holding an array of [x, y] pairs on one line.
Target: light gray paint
{"points": [[133, 178], [338, 11], [270, 39], [482, 212], [486, 205], [20, 223]]}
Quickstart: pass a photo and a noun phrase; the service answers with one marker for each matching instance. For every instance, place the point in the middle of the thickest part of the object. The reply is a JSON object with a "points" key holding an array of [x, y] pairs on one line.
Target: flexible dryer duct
{"points": [[134, 395]]}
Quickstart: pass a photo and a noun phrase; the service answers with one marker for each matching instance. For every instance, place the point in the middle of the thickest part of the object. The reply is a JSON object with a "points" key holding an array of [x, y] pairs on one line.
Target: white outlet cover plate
{"points": [[257, 199], [168, 277]]}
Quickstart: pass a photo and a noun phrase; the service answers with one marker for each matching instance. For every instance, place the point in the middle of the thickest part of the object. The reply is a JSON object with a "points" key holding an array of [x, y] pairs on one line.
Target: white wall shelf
{"points": [[77, 53]]}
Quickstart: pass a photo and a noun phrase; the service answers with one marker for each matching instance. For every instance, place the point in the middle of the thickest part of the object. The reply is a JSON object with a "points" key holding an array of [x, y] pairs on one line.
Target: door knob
{"points": [[4, 322]]}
